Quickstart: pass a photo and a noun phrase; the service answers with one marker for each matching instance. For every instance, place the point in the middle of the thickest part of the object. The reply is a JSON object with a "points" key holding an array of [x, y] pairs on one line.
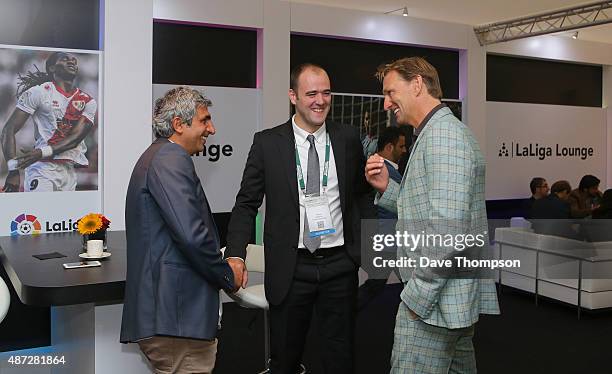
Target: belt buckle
{"points": [[318, 256]]}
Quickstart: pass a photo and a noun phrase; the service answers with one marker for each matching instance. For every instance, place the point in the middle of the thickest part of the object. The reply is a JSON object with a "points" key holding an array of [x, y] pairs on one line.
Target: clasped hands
{"points": [[241, 275]]}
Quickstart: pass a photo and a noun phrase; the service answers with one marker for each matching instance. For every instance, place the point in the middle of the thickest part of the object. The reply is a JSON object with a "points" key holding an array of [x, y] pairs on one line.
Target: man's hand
{"points": [[241, 274], [413, 315], [12, 182], [29, 158], [376, 173]]}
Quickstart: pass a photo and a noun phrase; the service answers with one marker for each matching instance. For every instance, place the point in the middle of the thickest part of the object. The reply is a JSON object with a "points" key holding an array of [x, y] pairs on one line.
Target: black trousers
{"points": [[325, 284]]}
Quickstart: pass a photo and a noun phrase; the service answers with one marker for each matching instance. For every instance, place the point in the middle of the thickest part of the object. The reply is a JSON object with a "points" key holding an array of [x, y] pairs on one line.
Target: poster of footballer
{"points": [[49, 130]]}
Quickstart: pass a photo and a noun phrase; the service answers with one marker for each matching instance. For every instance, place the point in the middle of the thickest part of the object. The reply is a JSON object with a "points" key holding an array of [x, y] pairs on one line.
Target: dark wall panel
{"points": [[523, 80], [351, 64], [43, 23], [204, 56]]}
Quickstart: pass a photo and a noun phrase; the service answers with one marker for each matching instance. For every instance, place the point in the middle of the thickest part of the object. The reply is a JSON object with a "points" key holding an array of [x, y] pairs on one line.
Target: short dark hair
{"points": [[52, 59], [388, 135], [607, 197], [560, 186], [535, 183], [588, 181], [298, 70]]}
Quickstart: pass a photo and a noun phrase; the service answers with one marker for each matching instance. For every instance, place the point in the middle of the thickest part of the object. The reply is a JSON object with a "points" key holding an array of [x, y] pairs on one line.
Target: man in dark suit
{"points": [[174, 266], [551, 214], [391, 147], [324, 193], [539, 190], [555, 205]]}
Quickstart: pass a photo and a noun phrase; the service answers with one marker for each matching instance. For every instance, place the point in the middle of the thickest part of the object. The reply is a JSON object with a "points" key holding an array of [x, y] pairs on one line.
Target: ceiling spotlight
{"points": [[404, 11], [575, 35]]}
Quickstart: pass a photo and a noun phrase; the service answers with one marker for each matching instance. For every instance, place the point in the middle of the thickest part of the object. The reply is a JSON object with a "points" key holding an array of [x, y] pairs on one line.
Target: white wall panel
{"points": [[348, 23], [276, 43], [510, 124], [473, 89], [242, 13], [128, 32]]}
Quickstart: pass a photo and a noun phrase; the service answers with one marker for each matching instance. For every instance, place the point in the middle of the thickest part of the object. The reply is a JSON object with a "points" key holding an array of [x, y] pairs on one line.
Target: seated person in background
{"points": [[599, 229], [604, 211], [539, 189], [551, 215], [586, 197], [391, 146], [555, 205]]}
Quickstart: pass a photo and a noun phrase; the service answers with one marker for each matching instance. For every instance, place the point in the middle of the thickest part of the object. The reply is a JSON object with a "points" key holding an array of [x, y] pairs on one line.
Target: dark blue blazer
{"points": [[550, 207], [174, 266], [396, 176]]}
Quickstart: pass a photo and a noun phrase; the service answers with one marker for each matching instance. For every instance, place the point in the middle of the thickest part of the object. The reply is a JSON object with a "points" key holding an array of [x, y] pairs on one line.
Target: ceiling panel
{"points": [[471, 12]]}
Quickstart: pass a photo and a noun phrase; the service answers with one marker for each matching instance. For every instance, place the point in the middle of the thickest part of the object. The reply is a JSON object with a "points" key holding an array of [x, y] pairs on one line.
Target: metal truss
{"points": [[577, 17]]}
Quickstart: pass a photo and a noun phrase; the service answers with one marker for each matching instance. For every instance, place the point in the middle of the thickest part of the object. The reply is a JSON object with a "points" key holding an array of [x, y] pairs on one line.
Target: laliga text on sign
{"points": [[542, 152]]}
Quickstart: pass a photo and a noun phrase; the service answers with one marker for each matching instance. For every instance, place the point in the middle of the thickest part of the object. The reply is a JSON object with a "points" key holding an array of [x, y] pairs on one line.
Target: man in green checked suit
{"points": [[442, 192]]}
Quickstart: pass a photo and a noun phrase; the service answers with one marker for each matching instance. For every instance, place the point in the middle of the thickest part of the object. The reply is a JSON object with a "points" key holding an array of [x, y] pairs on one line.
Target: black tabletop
{"points": [[46, 282]]}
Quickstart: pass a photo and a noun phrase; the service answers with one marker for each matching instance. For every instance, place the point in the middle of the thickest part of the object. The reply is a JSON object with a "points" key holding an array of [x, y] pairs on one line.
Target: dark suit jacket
{"points": [[271, 171], [174, 266], [551, 215], [550, 207], [527, 207], [395, 175]]}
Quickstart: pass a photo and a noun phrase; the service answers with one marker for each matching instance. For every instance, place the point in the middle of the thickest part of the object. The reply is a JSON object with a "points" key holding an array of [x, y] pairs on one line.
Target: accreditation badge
{"points": [[319, 215]]}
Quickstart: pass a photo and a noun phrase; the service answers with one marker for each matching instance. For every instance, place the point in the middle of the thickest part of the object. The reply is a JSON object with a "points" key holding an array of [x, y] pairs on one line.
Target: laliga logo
{"points": [[25, 224], [503, 151]]}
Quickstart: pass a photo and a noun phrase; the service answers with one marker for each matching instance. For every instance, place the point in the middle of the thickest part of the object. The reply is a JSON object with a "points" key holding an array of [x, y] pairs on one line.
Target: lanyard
{"points": [[325, 166]]}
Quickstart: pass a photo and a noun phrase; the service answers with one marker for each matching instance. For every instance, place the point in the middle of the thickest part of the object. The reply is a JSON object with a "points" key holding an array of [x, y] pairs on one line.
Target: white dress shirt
{"points": [[332, 191], [396, 166]]}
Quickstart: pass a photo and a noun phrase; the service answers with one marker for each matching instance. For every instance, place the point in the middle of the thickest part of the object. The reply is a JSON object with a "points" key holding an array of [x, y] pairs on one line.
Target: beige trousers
{"points": [[169, 355]]}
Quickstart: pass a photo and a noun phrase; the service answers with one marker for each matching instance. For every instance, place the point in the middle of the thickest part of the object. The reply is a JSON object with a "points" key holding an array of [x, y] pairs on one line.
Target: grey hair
{"points": [[181, 102]]}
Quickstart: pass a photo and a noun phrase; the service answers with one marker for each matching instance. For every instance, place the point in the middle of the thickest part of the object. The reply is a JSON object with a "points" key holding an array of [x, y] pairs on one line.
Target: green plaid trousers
{"points": [[420, 348]]}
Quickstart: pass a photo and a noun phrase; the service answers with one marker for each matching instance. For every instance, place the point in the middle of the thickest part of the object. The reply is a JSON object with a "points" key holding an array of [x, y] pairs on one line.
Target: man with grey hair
{"points": [[174, 266]]}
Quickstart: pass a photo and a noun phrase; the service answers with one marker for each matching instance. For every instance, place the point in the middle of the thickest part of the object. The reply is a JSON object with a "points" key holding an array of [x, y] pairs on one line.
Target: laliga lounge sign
{"points": [[29, 224], [541, 152]]}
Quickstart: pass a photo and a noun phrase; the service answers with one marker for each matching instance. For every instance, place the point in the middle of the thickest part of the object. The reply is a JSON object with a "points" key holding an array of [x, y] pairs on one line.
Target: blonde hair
{"points": [[409, 68]]}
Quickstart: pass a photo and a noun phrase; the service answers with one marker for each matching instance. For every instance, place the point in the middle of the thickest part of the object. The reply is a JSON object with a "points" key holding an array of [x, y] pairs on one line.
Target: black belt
{"points": [[320, 252]]}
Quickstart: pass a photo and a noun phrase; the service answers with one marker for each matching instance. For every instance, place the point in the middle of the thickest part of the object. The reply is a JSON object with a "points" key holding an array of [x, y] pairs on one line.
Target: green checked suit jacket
{"points": [[443, 191]]}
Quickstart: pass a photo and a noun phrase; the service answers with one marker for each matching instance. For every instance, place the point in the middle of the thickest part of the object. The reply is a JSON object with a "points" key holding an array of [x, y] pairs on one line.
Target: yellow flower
{"points": [[89, 224]]}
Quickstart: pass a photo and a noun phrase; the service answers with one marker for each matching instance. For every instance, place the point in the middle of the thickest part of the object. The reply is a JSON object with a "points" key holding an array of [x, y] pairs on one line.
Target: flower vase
{"points": [[98, 235]]}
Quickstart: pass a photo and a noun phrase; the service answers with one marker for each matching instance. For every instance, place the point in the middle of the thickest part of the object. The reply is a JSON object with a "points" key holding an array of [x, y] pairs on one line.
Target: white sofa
{"points": [[557, 267]]}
